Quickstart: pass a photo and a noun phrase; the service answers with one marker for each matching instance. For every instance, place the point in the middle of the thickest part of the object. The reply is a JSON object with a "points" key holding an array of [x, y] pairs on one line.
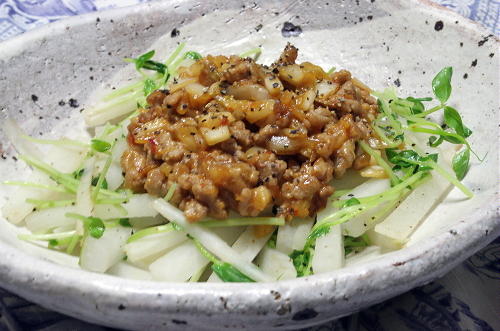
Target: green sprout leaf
{"points": [[149, 86], [104, 183], [351, 202], [354, 244], [441, 84], [192, 55], [435, 141], [460, 163], [271, 243], [417, 107], [453, 119], [141, 60], [100, 145], [144, 62], [77, 174], [302, 261], [228, 273], [95, 226], [124, 222], [410, 158]]}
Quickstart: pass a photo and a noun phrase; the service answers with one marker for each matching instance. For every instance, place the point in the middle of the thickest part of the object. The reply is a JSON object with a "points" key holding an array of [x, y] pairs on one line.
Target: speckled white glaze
{"points": [[380, 41]]}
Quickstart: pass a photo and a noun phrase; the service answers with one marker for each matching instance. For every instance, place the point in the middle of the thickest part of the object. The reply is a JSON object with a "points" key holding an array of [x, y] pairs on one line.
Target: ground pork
{"points": [[245, 137]]}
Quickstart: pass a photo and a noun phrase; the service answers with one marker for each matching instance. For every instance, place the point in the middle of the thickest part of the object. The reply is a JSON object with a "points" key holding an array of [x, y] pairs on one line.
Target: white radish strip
{"points": [[229, 234], [63, 159], [248, 246], [139, 205], [368, 254], [140, 223], [179, 264], [386, 243], [16, 208], [329, 251], [114, 176], [44, 220], [125, 270], [276, 264], [99, 255], [292, 236], [151, 247], [400, 224], [22, 146], [356, 226], [110, 110], [211, 242], [84, 202]]}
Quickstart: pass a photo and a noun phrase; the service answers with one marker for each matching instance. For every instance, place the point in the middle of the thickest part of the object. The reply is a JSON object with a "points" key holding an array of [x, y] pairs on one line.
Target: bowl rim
{"points": [[37, 275]]}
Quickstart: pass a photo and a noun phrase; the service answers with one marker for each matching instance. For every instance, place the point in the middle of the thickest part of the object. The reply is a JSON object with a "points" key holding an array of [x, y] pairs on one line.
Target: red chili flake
{"points": [[224, 121], [130, 139], [154, 145]]}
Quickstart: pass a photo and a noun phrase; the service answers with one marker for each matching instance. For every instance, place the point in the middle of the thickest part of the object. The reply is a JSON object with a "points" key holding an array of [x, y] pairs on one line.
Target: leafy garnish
{"points": [[271, 243], [125, 222], [149, 86], [354, 244], [100, 145], [453, 120], [460, 163], [441, 84], [94, 226], [350, 202], [409, 158], [192, 55], [302, 261], [104, 183], [144, 62], [226, 271]]}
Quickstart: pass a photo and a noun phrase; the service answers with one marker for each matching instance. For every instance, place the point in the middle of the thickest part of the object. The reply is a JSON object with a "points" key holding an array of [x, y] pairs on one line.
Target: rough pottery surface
{"points": [[385, 43]]}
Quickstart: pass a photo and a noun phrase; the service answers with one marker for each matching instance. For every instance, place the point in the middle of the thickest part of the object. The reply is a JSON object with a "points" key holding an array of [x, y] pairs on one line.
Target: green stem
{"points": [[150, 231], [175, 53], [452, 179], [257, 51], [102, 175], [36, 185], [243, 221], [46, 237], [72, 244], [388, 142], [45, 204], [430, 111], [380, 161]]}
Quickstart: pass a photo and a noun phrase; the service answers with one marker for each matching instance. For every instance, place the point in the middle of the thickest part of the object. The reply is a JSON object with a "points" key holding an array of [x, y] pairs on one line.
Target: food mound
{"points": [[232, 134]]}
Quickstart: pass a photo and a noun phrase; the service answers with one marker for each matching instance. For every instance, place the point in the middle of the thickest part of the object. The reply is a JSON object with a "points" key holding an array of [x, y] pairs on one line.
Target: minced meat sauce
{"points": [[236, 135]]}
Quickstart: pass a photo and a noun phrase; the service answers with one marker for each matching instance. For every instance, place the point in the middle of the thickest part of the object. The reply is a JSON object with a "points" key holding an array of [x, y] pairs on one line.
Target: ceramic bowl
{"points": [[385, 43]]}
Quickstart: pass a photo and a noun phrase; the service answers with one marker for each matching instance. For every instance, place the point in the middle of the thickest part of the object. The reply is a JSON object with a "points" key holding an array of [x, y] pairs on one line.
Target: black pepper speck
{"points": [[73, 103], [34, 97], [439, 26], [290, 30], [174, 33], [474, 63]]}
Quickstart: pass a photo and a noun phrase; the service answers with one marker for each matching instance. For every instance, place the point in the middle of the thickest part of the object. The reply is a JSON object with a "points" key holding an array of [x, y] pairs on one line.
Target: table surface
{"points": [[467, 298]]}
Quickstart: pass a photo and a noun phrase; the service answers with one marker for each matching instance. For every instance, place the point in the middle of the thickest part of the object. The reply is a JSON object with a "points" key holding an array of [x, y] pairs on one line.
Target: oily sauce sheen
{"points": [[236, 135]]}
